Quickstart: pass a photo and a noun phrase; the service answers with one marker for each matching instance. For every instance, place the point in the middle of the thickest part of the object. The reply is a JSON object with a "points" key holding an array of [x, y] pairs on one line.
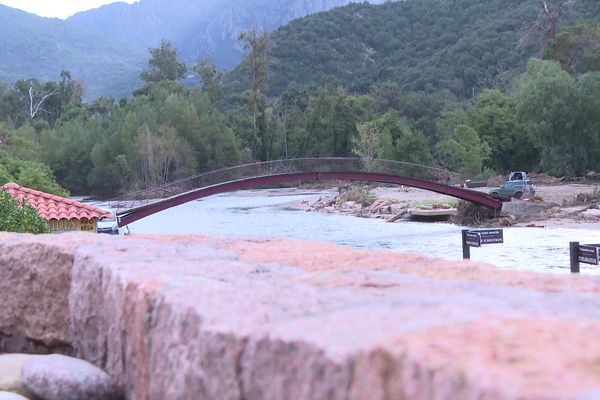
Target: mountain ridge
{"points": [[41, 48], [206, 30]]}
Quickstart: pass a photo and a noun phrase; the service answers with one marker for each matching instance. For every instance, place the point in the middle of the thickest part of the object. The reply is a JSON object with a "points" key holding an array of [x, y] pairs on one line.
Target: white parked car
{"points": [[109, 225]]}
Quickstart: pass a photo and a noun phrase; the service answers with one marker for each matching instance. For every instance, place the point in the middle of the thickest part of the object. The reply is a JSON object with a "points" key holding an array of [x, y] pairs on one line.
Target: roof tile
{"points": [[50, 206]]}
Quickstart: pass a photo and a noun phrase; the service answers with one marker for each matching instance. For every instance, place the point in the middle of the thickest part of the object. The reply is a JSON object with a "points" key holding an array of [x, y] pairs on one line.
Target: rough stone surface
{"points": [[189, 317], [57, 377], [10, 373], [11, 396], [34, 286]]}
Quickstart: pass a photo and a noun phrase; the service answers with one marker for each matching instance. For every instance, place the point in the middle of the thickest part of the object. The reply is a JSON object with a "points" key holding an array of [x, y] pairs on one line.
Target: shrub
{"points": [[357, 194], [30, 174], [23, 218]]}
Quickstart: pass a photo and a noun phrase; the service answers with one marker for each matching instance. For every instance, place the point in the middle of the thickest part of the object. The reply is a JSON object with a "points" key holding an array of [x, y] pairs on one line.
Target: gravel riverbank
{"points": [[561, 205]]}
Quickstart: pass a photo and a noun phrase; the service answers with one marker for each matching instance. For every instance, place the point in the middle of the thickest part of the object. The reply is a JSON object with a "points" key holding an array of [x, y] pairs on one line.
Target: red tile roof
{"points": [[51, 207]]}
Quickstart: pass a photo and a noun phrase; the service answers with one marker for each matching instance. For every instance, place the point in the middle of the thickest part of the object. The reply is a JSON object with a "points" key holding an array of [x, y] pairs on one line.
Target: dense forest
{"points": [[32, 46], [522, 92], [426, 46]]}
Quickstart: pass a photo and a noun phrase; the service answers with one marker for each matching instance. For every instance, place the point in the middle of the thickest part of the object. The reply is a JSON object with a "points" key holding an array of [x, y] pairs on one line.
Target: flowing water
{"points": [[259, 214]]}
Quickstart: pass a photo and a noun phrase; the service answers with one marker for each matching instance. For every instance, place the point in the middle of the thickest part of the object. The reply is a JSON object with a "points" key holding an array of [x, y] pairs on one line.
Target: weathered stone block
{"points": [[187, 317]]}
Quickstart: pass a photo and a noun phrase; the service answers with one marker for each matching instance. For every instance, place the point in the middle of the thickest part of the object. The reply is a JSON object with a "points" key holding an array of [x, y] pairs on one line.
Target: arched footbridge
{"points": [[134, 206]]}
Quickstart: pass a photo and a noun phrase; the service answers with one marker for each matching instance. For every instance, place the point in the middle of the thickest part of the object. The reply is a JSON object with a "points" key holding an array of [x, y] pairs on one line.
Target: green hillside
{"points": [[425, 45], [36, 47], [207, 28]]}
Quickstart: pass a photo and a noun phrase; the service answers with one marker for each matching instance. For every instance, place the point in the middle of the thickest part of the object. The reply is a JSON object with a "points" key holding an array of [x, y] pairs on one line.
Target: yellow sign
{"points": [[84, 224]]}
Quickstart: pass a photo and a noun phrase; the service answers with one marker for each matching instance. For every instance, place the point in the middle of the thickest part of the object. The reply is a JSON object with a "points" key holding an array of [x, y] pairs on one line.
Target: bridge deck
{"points": [[274, 173]]}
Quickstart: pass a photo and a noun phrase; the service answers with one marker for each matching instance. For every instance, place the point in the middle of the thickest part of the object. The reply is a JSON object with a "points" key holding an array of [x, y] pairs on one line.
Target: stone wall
{"points": [[189, 317]]}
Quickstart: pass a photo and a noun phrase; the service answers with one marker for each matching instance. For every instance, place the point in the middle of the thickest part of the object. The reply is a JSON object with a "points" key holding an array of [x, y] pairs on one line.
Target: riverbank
{"points": [[562, 205]]}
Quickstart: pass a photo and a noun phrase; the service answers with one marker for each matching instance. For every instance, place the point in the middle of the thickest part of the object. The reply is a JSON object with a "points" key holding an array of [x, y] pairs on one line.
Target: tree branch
{"points": [[34, 108]]}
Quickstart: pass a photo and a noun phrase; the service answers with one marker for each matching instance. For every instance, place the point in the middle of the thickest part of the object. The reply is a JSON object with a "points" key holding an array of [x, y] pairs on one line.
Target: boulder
{"points": [[58, 377], [11, 396], [592, 214], [34, 287], [10, 373]]}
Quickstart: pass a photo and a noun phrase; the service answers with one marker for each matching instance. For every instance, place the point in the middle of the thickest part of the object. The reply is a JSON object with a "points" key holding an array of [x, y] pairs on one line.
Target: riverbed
{"points": [[271, 214]]}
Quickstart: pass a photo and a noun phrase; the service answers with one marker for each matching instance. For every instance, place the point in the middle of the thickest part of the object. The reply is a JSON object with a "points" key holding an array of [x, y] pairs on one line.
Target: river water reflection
{"points": [[263, 215]]}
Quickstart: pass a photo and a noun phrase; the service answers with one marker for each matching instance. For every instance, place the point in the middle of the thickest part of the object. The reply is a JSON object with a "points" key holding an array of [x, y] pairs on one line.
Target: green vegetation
{"points": [[314, 88], [561, 115], [427, 45], [30, 174], [43, 47], [22, 218], [423, 46], [358, 194]]}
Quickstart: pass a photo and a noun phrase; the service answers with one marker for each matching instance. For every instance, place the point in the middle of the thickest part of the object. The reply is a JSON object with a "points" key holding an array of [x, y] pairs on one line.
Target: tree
{"points": [[256, 45], [36, 100], [164, 64], [366, 142], [577, 48], [545, 28], [20, 217], [399, 142], [161, 154], [39, 104], [494, 118], [550, 19], [463, 151], [212, 79], [589, 89], [331, 122], [28, 173], [291, 110], [549, 104]]}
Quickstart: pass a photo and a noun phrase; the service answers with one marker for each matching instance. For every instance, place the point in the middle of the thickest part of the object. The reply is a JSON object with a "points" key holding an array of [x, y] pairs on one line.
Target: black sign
{"points": [[490, 236], [588, 254], [472, 239]]}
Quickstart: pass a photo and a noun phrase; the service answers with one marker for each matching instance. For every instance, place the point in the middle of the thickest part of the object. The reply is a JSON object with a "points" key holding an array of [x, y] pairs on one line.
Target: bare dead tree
{"points": [[366, 143], [546, 25], [36, 105]]}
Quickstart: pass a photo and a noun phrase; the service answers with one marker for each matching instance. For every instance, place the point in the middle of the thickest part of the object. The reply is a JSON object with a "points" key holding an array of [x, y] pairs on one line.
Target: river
{"points": [[263, 214]]}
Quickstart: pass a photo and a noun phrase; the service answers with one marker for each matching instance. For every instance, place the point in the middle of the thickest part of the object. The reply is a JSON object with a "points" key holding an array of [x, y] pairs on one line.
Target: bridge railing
{"points": [[278, 167]]}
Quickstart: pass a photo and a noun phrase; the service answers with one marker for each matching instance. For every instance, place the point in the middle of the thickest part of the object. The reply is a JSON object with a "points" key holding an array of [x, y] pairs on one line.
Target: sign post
{"points": [[477, 237], [465, 247], [583, 253]]}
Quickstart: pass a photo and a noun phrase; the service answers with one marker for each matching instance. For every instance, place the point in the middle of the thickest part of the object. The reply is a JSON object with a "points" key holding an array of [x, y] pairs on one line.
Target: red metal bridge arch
{"points": [[274, 173]]}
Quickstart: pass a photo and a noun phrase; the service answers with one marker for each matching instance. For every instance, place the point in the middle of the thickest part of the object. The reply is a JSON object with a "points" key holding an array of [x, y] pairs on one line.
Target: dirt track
{"points": [[557, 194]]}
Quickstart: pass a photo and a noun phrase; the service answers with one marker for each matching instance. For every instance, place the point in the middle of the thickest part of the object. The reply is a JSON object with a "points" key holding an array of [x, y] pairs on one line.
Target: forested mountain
{"points": [[37, 47], [433, 82], [199, 29], [424, 45]]}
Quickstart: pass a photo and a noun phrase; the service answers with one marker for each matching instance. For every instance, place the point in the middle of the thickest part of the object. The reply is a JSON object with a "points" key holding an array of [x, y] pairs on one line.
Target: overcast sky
{"points": [[57, 8]]}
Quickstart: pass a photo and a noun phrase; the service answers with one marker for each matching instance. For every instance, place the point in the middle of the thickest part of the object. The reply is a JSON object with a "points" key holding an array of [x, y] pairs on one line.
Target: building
{"points": [[61, 213]]}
